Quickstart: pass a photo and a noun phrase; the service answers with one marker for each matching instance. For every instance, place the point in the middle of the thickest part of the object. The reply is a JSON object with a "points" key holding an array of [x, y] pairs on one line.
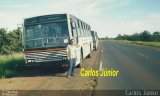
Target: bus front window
{"points": [[46, 35]]}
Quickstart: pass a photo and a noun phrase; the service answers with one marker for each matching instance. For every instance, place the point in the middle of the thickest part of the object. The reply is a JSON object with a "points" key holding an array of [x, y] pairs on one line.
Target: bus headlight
{"points": [[30, 60], [64, 58]]}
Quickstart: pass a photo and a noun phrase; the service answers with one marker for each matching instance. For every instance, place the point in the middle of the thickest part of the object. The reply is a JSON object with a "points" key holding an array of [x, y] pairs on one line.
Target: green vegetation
{"points": [[10, 41], [9, 64], [143, 36], [152, 44], [11, 57]]}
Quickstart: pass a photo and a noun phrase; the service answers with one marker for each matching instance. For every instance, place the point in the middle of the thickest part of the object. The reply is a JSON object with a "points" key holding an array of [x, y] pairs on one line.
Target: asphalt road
{"points": [[139, 67]]}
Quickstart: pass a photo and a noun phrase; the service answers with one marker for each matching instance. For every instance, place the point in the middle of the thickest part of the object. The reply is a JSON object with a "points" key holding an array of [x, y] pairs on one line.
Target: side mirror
{"points": [[66, 41]]}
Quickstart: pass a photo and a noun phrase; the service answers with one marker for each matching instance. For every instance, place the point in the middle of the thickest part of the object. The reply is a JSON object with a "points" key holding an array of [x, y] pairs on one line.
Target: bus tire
{"points": [[96, 47], [81, 60], [89, 56]]}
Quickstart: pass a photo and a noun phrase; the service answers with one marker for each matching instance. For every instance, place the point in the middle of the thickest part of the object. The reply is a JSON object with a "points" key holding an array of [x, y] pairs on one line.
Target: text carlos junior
{"points": [[103, 72]]}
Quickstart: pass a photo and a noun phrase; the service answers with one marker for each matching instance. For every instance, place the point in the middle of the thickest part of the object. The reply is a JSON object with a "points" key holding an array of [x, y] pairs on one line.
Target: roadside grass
{"points": [[152, 44], [10, 64]]}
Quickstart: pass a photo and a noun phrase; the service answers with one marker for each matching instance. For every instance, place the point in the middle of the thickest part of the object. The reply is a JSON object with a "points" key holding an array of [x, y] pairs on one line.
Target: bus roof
{"points": [[45, 18], [63, 16], [46, 15]]}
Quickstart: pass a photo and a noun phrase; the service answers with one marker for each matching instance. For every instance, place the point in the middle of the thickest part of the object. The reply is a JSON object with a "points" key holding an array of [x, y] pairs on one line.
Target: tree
{"points": [[10, 42], [156, 36], [15, 39], [145, 36], [3, 39], [119, 37]]}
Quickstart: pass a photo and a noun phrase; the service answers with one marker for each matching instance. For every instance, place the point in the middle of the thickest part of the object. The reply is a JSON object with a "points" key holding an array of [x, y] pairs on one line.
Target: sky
{"points": [[106, 17]]}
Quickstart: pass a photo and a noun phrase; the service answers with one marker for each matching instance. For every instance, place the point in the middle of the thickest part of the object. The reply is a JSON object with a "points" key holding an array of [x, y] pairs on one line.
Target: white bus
{"points": [[95, 39], [45, 38]]}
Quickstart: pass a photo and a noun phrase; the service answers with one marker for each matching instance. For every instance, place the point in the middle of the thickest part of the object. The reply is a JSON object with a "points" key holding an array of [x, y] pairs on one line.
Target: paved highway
{"points": [[139, 67]]}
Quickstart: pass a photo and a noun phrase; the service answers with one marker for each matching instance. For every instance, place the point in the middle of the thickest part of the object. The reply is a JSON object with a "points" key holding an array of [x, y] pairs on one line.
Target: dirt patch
{"points": [[48, 79]]}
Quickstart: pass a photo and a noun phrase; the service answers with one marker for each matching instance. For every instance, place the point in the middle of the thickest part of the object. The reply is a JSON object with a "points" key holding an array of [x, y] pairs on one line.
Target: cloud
{"points": [[9, 21], [16, 11], [150, 22], [91, 11]]}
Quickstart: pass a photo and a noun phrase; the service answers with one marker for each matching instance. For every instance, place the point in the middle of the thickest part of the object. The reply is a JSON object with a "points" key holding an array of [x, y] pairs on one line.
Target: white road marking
{"points": [[140, 54], [143, 55], [102, 49], [100, 66]]}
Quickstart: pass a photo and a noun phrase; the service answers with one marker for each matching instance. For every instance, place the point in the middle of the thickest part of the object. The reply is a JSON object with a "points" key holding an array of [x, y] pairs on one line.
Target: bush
{"points": [[5, 50], [143, 36], [9, 64], [10, 41]]}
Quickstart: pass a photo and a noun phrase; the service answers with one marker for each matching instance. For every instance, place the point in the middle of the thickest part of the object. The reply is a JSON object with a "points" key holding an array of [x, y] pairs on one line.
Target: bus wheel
{"points": [[89, 56], [96, 47]]}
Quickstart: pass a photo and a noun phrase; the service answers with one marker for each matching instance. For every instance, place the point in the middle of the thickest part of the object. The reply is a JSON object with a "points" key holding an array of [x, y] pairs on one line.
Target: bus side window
{"points": [[89, 31], [78, 27], [82, 28], [74, 31]]}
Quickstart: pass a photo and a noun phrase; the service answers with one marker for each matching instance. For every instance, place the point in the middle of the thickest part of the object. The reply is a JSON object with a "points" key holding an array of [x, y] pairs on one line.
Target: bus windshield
{"points": [[46, 35]]}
